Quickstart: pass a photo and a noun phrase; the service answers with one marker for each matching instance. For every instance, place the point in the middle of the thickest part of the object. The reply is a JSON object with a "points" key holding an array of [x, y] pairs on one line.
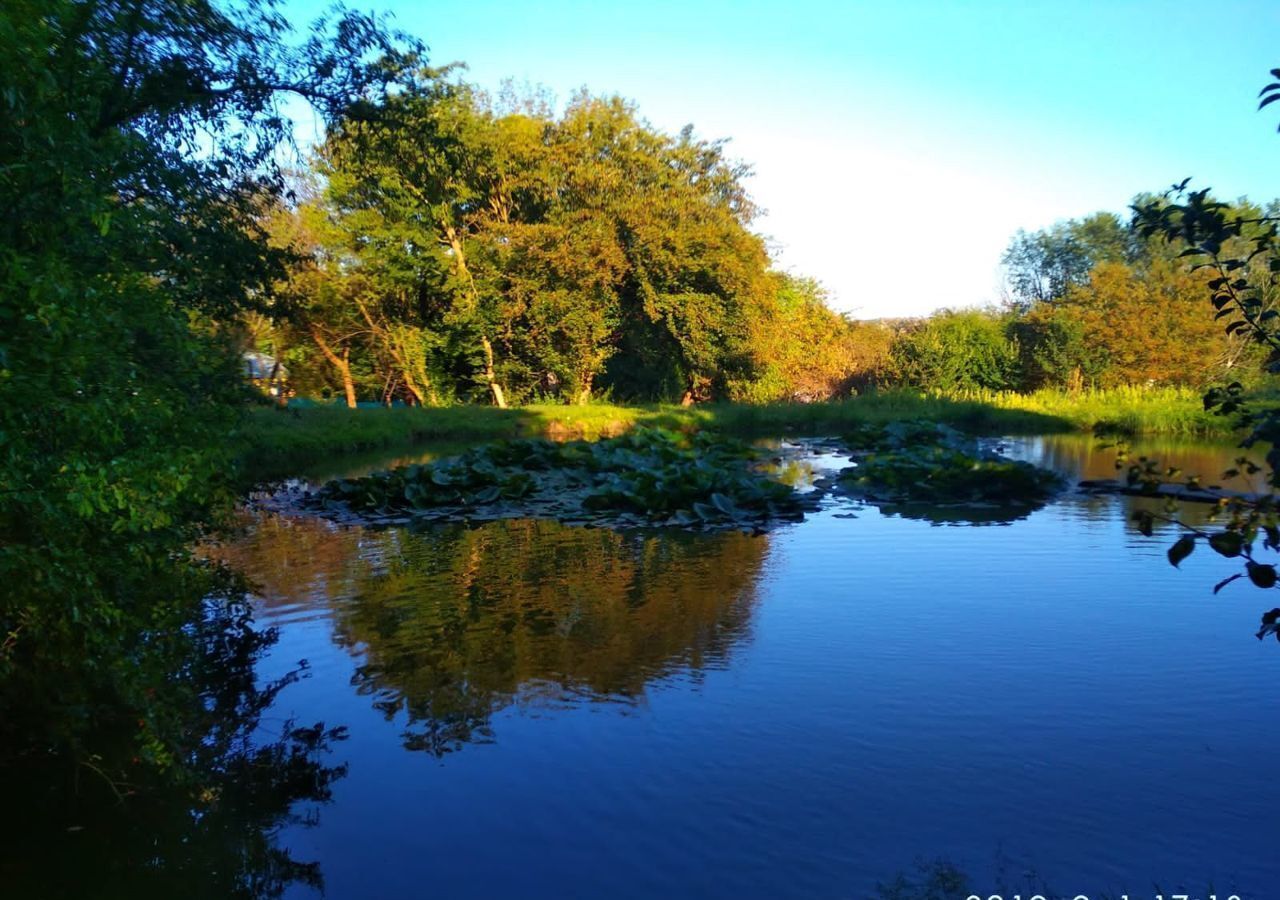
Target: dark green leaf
{"points": [[1181, 549], [1264, 576], [1227, 543]]}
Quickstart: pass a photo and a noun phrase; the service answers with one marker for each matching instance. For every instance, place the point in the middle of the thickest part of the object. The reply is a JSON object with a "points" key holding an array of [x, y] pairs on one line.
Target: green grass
{"points": [[1127, 410], [282, 441]]}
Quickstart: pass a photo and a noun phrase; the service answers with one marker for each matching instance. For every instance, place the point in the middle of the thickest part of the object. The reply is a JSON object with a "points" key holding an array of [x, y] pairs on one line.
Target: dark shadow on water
{"points": [[204, 825], [967, 514]]}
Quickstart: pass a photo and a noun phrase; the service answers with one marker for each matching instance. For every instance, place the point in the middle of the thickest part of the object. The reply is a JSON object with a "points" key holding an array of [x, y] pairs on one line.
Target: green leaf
{"points": [[1272, 541], [1181, 549], [1227, 543], [488, 495], [1264, 576], [705, 512], [724, 504], [1145, 522]]}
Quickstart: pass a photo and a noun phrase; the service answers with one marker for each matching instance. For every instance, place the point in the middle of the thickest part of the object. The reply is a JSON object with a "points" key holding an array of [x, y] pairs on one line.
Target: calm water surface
{"points": [[544, 711]]}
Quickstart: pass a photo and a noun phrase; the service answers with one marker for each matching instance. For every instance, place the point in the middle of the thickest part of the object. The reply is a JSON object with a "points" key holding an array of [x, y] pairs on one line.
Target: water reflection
{"points": [[452, 624], [204, 825], [959, 514], [1083, 456]]}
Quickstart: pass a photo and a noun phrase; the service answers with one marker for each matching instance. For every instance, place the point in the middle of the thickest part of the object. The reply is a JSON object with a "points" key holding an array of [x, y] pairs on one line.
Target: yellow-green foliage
{"points": [[807, 351], [1130, 409]]}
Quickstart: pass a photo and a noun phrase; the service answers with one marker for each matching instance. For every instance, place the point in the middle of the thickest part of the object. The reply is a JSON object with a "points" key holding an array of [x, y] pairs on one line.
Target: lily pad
{"points": [[647, 477]]}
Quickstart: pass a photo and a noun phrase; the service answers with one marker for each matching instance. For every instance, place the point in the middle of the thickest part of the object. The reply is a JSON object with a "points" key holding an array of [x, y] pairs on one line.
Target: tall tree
{"points": [[695, 274], [1147, 324], [137, 142], [573, 250], [407, 183], [1041, 266], [316, 298]]}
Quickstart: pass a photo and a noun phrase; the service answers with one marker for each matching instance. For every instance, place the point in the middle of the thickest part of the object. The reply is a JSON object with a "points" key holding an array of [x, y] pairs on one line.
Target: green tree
{"points": [[806, 351], [407, 182], [569, 251], [1053, 350], [1041, 266], [1145, 325], [956, 350], [695, 274], [317, 326], [137, 144], [1099, 303]]}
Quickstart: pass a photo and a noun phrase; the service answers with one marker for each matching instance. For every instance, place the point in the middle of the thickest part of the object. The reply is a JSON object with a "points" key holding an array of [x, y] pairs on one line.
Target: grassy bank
{"points": [[278, 441], [1126, 410]]}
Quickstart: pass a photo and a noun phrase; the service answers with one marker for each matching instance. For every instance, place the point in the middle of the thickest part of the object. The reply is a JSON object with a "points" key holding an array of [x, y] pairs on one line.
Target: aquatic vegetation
{"points": [[646, 477], [923, 462], [946, 475]]}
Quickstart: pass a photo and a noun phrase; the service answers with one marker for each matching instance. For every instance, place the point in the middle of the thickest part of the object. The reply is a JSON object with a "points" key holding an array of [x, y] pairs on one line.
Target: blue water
{"points": [[540, 711]]}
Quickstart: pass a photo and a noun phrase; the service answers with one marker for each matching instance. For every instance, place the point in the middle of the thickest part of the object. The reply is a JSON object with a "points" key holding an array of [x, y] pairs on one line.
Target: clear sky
{"points": [[897, 145]]}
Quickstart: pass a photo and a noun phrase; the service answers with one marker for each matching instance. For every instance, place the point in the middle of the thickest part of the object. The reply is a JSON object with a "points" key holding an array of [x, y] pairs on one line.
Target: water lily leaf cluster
{"points": [[646, 477], [921, 462]]}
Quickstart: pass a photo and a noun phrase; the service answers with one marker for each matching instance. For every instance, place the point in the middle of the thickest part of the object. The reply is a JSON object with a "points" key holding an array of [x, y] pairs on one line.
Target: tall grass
{"points": [[1129, 410], [279, 440]]}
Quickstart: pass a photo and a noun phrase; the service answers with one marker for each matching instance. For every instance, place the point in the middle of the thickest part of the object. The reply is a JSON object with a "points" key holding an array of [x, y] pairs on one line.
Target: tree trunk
{"points": [[1075, 380], [275, 384], [412, 385], [499, 398], [454, 241], [584, 395], [348, 385], [341, 363]]}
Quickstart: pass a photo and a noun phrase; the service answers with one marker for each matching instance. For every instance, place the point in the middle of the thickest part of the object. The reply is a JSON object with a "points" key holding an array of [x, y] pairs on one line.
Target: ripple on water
{"points": [[555, 711]]}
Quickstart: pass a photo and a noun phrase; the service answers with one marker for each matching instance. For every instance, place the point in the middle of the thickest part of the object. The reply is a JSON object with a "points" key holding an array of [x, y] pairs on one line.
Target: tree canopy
{"points": [[509, 251]]}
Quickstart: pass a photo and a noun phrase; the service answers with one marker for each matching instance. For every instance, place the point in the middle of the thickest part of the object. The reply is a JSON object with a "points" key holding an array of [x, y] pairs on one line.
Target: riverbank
{"points": [[277, 441]]}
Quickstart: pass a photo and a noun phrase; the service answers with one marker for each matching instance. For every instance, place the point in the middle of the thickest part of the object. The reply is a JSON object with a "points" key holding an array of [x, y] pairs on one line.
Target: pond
{"points": [[539, 710]]}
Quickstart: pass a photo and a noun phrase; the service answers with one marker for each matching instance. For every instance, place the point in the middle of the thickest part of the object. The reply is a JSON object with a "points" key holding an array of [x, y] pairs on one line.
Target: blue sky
{"points": [[898, 145]]}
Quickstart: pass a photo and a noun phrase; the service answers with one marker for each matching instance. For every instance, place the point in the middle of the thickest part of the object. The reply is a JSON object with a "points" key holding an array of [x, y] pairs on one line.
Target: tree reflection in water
{"points": [[203, 825], [450, 625]]}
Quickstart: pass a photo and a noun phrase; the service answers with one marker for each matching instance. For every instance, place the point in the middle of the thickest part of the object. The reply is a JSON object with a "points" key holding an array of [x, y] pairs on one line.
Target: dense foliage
{"points": [[453, 246], [137, 145], [956, 351], [805, 351], [1098, 302], [456, 247], [465, 248]]}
